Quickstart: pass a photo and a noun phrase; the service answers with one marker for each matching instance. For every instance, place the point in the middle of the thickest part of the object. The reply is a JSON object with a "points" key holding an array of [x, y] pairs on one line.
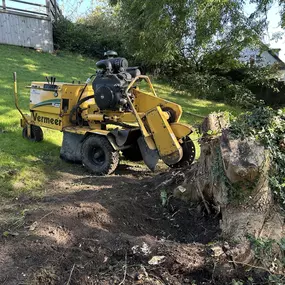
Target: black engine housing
{"points": [[111, 82]]}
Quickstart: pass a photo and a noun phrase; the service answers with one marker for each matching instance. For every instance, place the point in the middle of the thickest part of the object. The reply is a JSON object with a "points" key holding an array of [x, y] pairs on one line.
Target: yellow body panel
{"points": [[51, 101], [144, 102], [125, 117], [181, 130], [51, 109], [166, 143], [48, 120]]}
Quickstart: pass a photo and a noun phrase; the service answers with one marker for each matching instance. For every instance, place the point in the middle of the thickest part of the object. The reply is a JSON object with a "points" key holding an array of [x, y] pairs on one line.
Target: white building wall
{"points": [[16, 29], [263, 59]]}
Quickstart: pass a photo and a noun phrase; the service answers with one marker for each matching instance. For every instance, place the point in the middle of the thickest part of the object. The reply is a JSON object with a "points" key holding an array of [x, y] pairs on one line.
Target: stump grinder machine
{"points": [[107, 115]]}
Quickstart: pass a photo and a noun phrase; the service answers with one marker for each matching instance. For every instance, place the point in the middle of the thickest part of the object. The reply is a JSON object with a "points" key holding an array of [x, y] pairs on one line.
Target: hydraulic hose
{"points": [[87, 81], [120, 124], [74, 109]]}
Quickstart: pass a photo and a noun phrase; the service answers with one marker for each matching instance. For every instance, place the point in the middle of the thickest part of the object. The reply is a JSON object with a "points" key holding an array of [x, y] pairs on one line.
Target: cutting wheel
{"points": [[189, 154]]}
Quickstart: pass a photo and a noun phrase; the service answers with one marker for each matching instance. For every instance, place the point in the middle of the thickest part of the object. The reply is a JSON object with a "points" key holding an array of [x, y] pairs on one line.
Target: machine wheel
{"points": [[98, 156], [189, 152], [36, 133], [133, 153]]}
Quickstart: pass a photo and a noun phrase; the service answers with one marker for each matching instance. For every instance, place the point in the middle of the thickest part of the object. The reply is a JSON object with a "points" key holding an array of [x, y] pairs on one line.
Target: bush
{"points": [[239, 84], [215, 87], [90, 36]]}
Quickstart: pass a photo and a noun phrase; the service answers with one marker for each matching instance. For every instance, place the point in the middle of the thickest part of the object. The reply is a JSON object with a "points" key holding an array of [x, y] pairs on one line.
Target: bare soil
{"points": [[105, 230]]}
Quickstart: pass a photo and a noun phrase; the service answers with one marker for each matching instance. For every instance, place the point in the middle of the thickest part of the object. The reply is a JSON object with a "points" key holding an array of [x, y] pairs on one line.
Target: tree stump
{"points": [[231, 175]]}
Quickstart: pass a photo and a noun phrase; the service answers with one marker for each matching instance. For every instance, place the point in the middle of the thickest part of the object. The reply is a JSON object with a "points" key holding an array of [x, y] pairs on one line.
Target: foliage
{"points": [[268, 127], [91, 35], [196, 48], [262, 247], [271, 255], [197, 44], [235, 86], [264, 5], [160, 31]]}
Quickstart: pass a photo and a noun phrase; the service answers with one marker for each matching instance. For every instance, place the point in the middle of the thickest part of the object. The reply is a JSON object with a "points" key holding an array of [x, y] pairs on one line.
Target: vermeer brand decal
{"points": [[46, 120]]}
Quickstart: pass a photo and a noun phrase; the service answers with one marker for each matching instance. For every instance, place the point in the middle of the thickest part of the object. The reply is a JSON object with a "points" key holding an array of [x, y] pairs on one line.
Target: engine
{"points": [[111, 82]]}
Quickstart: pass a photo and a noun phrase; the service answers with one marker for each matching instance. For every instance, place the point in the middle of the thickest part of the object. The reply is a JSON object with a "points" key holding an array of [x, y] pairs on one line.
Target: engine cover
{"points": [[111, 83], [110, 89], [106, 98]]}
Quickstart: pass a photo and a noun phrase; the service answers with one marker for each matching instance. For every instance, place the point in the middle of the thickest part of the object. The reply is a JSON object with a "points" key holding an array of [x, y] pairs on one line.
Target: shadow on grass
{"points": [[26, 166]]}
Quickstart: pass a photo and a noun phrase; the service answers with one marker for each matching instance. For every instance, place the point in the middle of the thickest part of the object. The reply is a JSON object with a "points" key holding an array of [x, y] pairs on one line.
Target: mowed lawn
{"points": [[26, 166]]}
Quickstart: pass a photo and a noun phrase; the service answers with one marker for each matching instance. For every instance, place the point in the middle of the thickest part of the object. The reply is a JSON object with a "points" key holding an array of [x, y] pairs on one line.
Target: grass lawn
{"points": [[26, 166]]}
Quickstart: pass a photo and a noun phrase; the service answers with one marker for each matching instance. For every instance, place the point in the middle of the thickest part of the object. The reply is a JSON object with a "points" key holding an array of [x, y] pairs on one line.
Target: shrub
{"points": [[240, 84], [90, 36]]}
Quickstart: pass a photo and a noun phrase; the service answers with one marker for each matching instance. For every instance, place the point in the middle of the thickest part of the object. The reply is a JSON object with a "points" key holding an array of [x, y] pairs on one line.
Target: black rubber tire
{"points": [[98, 156], [133, 153], [36, 133], [189, 152]]}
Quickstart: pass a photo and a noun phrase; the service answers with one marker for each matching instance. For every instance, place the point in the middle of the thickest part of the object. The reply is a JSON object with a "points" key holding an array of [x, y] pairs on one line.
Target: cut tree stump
{"points": [[231, 176]]}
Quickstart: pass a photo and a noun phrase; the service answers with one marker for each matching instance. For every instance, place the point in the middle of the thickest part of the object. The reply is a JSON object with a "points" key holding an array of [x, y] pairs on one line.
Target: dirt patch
{"points": [[105, 230]]}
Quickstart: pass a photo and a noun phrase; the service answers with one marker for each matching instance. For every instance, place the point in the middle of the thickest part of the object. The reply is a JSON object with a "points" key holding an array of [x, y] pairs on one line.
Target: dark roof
{"points": [[272, 53]]}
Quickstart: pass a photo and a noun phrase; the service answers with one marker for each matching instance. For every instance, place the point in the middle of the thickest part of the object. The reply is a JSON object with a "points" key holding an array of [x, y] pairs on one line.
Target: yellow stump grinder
{"points": [[109, 115]]}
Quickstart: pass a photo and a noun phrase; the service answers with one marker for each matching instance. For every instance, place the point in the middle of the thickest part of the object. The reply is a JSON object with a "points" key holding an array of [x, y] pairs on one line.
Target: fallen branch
{"points": [[69, 279], [203, 199], [170, 180], [125, 271], [45, 216], [257, 267], [193, 114]]}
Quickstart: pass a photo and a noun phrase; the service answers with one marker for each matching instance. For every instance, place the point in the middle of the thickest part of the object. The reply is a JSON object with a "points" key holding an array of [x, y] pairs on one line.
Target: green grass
{"points": [[26, 166], [191, 105]]}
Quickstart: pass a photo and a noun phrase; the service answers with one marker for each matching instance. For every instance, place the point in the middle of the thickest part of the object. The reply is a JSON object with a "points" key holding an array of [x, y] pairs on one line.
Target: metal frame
{"points": [[16, 97], [25, 2], [52, 10], [11, 9]]}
